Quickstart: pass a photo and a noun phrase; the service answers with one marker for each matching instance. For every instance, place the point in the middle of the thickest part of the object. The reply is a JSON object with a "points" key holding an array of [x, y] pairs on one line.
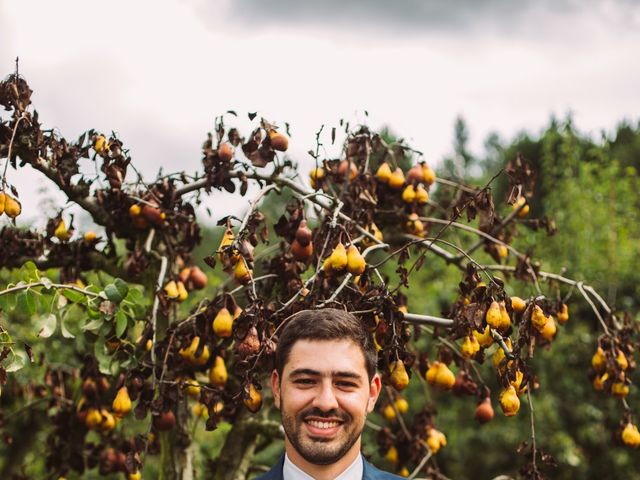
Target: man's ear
{"points": [[275, 387], [374, 391]]}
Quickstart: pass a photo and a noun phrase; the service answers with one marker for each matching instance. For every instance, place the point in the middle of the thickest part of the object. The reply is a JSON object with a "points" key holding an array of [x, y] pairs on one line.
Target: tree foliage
{"points": [[121, 346]]}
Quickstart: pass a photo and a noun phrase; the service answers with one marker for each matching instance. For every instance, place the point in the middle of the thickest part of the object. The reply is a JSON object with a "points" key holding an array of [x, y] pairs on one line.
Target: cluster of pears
{"points": [[191, 356], [147, 213], [342, 259], [399, 405], [9, 205], [189, 278], [101, 419], [509, 397], [521, 206], [231, 257], [545, 324], [302, 246], [610, 366], [435, 439]]}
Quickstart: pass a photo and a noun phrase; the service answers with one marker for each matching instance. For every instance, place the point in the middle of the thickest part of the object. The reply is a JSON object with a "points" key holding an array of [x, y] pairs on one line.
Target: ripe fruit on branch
{"points": [[337, 261], [3, 198], [509, 401], [301, 253], [225, 152], [375, 231], [470, 346], [549, 331], [227, 240], [392, 455], [12, 206], [192, 388], [250, 344], [346, 164], [200, 410], [303, 233], [622, 361], [171, 289], [241, 272], [315, 175], [631, 436], [422, 196], [494, 315], [384, 172], [396, 180], [414, 225], [503, 251], [484, 338], [223, 323], [100, 144], [440, 376], [518, 305], [399, 377], [182, 292], [484, 411], [389, 413], [122, 403], [409, 194], [198, 278], [134, 476], [152, 213], [61, 231], [598, 382], [620, 389], [93, 418], [252, 399], [435, 440], [356, 263], [505, 320], [402, 405], [278, 141], [538, 318], [218, 373], [499, 354], [563, 314], [599, 361], [189, 354], [165, 421], [517, 383], [428, 175], [415, 174], [525, 209], [90, 236]]}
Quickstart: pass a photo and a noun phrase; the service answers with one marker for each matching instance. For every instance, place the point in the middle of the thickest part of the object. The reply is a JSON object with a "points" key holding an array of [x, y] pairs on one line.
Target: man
{"points": [[324, 383]]}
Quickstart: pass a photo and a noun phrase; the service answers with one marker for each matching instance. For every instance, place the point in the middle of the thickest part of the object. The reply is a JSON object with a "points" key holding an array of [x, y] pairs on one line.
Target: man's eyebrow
{"points": [[315, 373]]}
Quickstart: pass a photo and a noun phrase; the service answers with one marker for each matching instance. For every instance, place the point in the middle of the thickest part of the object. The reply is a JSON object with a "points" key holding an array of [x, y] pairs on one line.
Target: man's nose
{"points": [[326, 400]]}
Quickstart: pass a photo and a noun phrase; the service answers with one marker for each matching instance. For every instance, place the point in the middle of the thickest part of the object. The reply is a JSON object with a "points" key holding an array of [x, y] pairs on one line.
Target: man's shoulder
{"points": [[275, 473], [372, 473]]}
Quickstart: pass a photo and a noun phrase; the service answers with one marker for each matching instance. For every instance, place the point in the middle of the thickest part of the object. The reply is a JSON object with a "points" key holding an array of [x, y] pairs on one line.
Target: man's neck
{"points": [[323, 472]]}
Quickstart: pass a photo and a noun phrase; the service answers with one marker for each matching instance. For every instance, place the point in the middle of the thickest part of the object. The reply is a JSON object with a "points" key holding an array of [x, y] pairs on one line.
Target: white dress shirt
{"points": [[290, 471]]}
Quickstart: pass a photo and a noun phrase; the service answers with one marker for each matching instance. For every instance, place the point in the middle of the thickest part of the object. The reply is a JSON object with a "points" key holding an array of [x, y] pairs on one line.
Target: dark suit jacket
{"points": [[370, 472]]}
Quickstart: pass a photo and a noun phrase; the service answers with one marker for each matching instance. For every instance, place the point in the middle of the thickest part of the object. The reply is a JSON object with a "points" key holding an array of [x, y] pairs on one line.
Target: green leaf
{"points": [[26, 304], [47, 325], [94, 325], [113, 293], [63, 329], [19, 360], [29, 272], [135, 296], [73, 296], [122, 287], [104, 360], [121, 323], [8, 302]]}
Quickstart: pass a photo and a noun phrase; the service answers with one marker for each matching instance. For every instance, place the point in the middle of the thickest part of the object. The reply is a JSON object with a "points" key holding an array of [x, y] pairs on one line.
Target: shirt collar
{"points": [[291, 471]]}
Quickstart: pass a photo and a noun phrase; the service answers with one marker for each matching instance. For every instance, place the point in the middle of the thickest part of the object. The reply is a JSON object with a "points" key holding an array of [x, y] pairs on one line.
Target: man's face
{"points": [[324, 396]]}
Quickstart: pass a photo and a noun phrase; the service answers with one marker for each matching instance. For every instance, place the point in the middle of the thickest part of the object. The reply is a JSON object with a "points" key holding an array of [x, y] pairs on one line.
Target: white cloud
{"points": [[159, 72]]}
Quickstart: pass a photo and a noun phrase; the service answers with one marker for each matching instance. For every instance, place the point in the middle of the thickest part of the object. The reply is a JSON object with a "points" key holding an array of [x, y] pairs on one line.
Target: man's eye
{"points": [[346, 384], [304, 381]]}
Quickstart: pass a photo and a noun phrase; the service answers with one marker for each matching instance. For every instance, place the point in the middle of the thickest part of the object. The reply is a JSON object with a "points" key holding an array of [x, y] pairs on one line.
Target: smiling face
{"points": [[324, 396]]}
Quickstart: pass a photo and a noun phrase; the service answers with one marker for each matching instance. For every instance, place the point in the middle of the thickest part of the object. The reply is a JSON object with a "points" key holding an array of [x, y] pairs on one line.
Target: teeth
{"points": [[317, 424]]}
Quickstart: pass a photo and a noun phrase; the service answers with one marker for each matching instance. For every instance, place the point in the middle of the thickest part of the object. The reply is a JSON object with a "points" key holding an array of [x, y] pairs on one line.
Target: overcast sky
{"points": [[158, 72]]}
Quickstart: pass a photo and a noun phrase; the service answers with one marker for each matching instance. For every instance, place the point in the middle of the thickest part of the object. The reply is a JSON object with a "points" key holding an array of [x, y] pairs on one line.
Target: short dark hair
{"points": [[325, 324]]}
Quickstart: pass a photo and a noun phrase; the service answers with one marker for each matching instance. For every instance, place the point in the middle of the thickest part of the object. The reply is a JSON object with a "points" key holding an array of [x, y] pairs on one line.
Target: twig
{"points": [[422, 463], [13, 136], [60, 286], [533, 431], [154, 313], [428, 320]]}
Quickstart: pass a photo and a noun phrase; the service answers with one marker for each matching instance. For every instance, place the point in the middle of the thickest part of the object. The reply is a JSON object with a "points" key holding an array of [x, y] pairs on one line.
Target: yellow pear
{"points": [[253, 399], [538, 318], [409, 194], [182, 292], [122, 403], [61, 231], [428, 175], [518, 305], [484, 338], [436, 440], [3, 198], [171, 289], [396, 180], [422, 196], [218, 373], [563, 314], [509, 401], [384, 172], [338, 258], [631, 436], [399, 377], [494, 315], [505, 320], [356, 263], [12, 206], [223, 323], [241, 272], [470, 346]]}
